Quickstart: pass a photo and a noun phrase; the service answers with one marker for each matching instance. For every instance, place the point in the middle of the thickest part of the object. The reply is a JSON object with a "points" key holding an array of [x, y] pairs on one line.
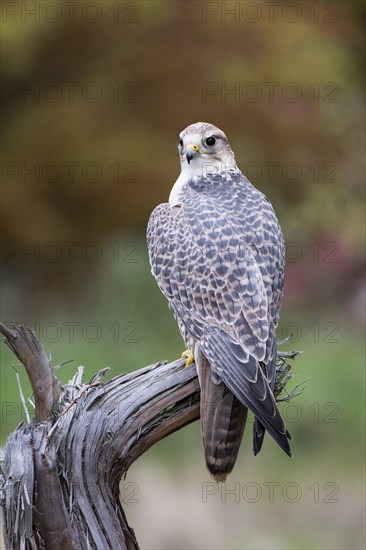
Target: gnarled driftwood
{"points": [[61, 471]]}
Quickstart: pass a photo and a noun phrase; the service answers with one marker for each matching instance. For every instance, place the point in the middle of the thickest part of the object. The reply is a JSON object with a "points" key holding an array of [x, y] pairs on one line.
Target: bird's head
{"points": [[204, 148]]}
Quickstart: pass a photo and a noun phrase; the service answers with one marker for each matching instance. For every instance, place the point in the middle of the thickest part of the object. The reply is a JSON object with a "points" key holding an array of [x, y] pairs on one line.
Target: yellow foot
{"points": [[190, 357]]}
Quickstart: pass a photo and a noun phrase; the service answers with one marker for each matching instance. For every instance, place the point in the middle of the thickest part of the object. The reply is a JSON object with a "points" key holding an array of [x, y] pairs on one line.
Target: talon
{"points": [[190, 357]]}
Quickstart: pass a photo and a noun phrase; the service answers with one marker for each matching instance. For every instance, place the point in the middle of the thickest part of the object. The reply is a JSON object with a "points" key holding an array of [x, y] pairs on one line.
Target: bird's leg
{"points": [[189, 357]]}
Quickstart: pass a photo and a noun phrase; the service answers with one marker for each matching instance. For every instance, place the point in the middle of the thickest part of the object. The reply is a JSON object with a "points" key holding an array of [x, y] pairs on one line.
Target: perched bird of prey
{"points": [[217, 252]]}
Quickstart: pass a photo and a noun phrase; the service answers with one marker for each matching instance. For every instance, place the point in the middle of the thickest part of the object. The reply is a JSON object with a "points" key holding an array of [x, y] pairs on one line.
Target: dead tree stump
{"points": [[61, 473], [59, 484]]}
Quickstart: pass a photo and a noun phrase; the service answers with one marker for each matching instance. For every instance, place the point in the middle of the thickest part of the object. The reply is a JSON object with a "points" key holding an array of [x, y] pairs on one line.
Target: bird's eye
{"points": [[181, 142], [210, 141]]}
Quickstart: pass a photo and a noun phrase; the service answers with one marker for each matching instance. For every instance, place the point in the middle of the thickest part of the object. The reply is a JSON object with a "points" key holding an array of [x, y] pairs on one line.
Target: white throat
{"points": [[177, 189], [198, 168]]}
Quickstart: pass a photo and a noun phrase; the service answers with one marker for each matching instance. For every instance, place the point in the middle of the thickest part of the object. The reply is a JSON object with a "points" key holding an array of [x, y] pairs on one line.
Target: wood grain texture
{"points": [[61, 475]]}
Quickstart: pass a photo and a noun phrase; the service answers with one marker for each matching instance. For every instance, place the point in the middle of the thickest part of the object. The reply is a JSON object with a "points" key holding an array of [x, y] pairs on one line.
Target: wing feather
{"points": [[219, 259]]}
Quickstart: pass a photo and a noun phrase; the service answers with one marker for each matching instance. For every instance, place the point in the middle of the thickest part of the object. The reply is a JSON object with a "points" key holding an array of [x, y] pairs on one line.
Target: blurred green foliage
{"points": [[91, 113]]}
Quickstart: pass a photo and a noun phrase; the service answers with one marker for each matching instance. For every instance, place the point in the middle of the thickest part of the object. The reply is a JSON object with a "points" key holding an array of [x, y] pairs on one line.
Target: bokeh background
{"points": [[94, 96]]}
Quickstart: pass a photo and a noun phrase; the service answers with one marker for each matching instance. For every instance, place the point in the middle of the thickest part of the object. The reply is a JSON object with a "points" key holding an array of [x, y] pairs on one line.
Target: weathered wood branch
{"points": [[45, 386], [60, 479], [62, 471]]}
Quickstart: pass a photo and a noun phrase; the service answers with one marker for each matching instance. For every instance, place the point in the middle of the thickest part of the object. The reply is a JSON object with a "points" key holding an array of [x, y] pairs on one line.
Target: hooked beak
{"points": [[191, 152]]}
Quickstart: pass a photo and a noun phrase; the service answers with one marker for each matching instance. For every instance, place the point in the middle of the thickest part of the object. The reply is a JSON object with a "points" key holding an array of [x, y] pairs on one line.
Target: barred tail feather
{"points": [[223, 419]]}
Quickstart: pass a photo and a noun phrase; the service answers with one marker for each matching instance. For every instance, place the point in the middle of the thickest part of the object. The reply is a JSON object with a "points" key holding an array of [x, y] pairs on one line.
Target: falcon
{"points": [[217, 253]]}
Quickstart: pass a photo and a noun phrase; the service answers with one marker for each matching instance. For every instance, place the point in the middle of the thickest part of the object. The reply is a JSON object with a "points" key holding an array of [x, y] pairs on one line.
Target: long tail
{"points": [[247, 381], [223, 419]]}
